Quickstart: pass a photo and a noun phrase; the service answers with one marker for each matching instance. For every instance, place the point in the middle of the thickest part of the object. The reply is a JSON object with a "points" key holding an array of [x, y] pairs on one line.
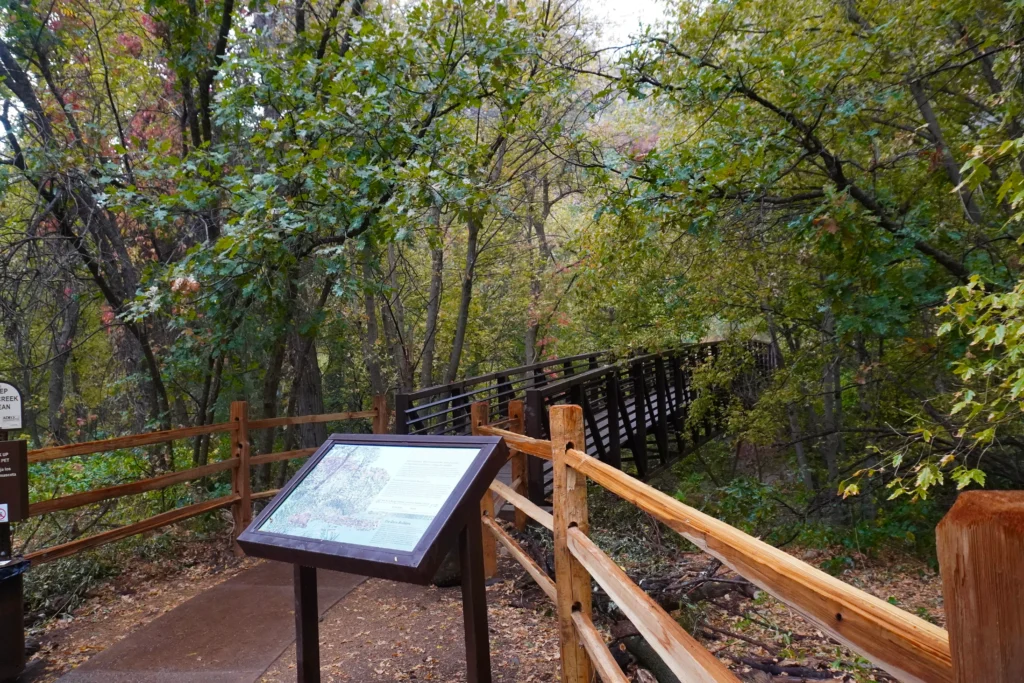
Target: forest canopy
{"points": [[308, 203]]}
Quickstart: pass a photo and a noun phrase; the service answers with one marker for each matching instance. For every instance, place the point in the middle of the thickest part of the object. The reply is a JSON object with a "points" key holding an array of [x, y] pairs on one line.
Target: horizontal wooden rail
{"points": [[908, 647], [517, 552], [283, 455], [602, 659], [499, 499], [240, 464], [535, 512], [170, 517], [525, 444], [687, 658], [130, 441], [266, 423], [153, 483], [270, 493]]}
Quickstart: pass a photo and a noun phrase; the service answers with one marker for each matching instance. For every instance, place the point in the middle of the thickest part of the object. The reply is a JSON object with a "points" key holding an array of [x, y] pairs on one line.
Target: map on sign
{"points": [[372, 495]]}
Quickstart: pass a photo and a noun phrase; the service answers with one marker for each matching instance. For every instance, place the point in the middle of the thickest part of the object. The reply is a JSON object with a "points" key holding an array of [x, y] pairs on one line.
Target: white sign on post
{"points": [[10, 407]]}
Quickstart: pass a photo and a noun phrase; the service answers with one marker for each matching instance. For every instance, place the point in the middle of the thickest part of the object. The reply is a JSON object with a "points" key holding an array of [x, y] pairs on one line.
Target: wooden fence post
{"points": [[517, 424], [383, 417], [241, 480], [981, 556], [480, 415], [570, 510]]}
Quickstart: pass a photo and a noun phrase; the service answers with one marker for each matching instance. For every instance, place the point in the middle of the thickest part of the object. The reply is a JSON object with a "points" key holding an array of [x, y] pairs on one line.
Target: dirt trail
{"points": [[380, 631]]}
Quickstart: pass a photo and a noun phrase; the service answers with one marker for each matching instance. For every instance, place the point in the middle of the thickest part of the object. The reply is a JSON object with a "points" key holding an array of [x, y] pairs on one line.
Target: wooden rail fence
{"points": [[904, 645], [240, 464]]}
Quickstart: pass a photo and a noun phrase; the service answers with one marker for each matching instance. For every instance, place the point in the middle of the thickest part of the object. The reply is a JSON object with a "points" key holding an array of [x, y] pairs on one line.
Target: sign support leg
{"points": [[474, 601], [307, 626], [6, 548]]}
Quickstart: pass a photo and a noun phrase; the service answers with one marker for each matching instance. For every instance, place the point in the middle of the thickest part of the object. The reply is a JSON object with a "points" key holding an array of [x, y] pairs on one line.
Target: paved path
{"points": [[229, 634]]}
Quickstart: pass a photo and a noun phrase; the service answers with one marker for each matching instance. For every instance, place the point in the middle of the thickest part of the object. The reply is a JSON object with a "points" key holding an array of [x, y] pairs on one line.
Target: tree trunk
{"points": [[308, 390], [370, 339], [794, 423], [433, 299], [831, 409], [971, 208], [271, 388], [392, 316], [62, 342], [466, 296], [535, 224], [433, 308]]}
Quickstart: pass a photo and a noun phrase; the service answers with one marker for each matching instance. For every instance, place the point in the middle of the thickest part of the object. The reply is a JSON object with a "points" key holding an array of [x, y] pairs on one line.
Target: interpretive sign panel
{"points": [[371, 495], [13, 481], [10, 407], [380, 505]]}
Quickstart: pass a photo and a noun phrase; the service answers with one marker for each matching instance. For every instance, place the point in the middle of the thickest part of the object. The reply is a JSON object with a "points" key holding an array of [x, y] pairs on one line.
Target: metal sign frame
{"points": [[417, 566]]}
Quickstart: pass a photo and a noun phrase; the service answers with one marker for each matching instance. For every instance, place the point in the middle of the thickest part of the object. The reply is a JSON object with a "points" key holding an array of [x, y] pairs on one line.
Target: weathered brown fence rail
{"points": [[906, 646], [240, 465]]}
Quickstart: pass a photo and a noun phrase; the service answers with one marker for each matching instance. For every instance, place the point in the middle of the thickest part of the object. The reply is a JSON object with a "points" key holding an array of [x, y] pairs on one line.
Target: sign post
{"points": [[389, 507], [13, 508]]}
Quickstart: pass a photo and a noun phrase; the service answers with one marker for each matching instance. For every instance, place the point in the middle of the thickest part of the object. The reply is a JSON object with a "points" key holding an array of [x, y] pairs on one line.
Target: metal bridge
{"points": [[640, 405]]}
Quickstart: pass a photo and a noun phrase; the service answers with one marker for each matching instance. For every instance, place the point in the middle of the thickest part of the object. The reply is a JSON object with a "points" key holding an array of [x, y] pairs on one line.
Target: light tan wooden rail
{"points": [[110, 492], [130, 441], [155, 522], [533, 511], [525, 444], [531, 567], [906, 646], [240, 465], [596, 648], [687, 658]]}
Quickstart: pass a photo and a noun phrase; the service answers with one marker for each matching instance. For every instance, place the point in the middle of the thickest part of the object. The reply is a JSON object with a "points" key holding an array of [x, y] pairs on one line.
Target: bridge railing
{"points": [[239, 466], [444, 409], [906, 646], [631, 400]]}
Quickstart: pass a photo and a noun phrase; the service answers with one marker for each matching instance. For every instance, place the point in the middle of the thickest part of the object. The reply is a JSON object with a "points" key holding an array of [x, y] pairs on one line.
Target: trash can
{"points": [[12, 619]]}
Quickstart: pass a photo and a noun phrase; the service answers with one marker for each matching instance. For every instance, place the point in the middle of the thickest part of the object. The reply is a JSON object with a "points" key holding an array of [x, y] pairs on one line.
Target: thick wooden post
{"points": [[981, 555], [570, 510], [480, 415], [517, 424], [383, 417], [241, 480]]}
